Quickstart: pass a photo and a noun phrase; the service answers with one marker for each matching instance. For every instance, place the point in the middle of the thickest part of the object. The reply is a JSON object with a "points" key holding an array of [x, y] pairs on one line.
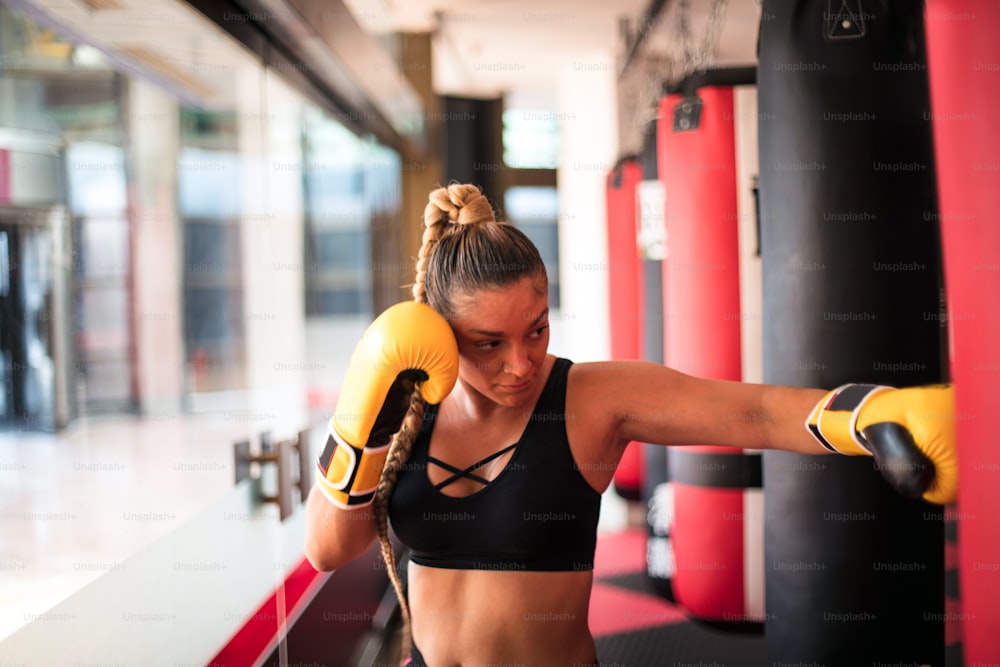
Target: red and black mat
{"points": [[634, 626]]}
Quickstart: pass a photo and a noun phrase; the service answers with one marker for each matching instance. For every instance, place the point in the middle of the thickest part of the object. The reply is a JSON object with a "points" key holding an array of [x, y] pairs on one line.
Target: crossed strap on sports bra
{"points": [[467, 473]]}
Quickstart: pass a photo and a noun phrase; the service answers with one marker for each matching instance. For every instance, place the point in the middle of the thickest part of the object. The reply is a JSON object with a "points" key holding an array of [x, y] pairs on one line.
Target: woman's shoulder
{"points": [[604, 371], [590, 381], [615, 385], [598, 393]]}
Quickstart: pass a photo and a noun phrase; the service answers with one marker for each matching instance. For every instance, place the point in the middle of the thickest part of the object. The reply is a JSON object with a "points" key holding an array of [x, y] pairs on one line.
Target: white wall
{"points": [[587, 108], [751, 305]]}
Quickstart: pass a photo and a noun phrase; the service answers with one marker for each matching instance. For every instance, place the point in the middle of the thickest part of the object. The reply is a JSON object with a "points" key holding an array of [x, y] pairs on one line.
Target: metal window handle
{"points": [[279, 455]]}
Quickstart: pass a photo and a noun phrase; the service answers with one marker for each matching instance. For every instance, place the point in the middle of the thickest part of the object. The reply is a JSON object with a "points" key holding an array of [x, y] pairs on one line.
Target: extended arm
{"points": [[911, 431], [653, 403]]}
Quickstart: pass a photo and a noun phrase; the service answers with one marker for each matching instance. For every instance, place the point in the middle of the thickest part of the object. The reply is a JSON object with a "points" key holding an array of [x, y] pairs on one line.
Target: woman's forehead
{"points": [[510, 306]]}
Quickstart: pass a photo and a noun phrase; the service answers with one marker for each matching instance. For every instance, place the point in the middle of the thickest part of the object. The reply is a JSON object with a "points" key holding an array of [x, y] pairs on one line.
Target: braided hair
{"points": [[464, 249]]}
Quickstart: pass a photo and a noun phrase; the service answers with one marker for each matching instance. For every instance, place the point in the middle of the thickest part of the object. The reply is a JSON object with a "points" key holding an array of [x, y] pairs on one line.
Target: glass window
{"points": [[97, 188], [337, 243], [208, 192], [535, 211], [530, 138], [68, 94]]}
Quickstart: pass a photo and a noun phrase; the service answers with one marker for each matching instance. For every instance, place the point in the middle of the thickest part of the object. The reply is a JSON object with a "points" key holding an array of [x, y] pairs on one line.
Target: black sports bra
{"points": [[539, 513]]}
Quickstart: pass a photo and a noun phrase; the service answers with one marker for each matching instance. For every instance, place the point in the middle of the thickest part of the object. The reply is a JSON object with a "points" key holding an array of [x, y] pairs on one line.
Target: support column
{"points": [[152, 122], [421, 173], [473, 144]]}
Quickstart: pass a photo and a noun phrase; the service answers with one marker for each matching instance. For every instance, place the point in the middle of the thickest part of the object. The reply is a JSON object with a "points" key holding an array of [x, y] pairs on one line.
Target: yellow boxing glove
{"points": [[910, 432], [408, 344]]}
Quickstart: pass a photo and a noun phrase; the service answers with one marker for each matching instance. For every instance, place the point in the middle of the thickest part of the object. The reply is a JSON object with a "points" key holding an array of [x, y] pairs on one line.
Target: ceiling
{"points": [[481, 48], [518, 47], [163, 40]]}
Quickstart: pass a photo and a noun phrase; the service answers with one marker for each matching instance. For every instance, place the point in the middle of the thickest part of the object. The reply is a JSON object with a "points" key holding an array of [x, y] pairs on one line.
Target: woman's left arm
{"points": [[909, 431], [656, 404]]}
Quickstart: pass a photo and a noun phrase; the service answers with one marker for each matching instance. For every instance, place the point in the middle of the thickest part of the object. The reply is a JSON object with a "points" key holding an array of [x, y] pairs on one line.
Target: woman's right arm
{"points": [[407, 344], [335, 536]]}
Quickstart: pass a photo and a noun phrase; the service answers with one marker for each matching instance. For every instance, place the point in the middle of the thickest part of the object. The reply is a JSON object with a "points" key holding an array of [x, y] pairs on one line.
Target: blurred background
{"points": [[204, 203]]}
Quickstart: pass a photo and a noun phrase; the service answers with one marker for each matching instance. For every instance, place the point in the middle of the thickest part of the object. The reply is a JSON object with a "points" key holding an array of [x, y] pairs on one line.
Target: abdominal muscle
{"points": [[462, 618]]}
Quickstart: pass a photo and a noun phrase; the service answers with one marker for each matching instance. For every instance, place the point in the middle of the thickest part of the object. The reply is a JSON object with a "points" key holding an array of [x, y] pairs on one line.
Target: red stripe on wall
{"points": [[265, 627]]}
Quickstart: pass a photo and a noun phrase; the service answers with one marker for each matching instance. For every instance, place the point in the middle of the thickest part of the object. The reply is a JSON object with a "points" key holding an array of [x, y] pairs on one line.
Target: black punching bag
{"points": [[851, 289]]}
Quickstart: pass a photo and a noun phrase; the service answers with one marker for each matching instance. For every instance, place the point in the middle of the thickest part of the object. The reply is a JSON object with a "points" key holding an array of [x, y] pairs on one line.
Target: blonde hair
{"points": [[464, 248]]}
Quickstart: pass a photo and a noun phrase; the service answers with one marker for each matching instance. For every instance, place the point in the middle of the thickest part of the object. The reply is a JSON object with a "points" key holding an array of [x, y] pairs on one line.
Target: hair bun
{"points": [[475, 208], [462, 204]]}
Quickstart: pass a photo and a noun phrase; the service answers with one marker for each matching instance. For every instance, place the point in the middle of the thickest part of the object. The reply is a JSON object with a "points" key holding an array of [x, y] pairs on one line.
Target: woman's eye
{"points": [[540, 331], [487, 346]]}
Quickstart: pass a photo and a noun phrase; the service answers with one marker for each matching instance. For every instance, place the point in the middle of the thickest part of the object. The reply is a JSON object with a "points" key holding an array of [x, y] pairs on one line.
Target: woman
{"points": [[499, 496]]}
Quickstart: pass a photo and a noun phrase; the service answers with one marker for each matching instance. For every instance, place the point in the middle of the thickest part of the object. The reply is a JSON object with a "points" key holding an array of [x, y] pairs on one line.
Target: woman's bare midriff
{"points": [[463, 618]]}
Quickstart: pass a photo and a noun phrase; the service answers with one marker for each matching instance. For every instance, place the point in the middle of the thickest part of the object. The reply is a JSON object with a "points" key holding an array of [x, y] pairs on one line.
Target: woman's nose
{"points": [[517, 362]]}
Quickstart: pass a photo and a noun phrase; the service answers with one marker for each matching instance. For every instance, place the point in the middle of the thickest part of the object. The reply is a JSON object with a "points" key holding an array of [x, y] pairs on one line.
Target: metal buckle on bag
{"points": [[687, 114], [846, 22]]}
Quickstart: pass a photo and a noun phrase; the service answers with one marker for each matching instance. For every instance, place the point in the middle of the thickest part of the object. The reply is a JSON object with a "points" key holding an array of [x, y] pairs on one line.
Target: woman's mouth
{"points": [[515, 388]]}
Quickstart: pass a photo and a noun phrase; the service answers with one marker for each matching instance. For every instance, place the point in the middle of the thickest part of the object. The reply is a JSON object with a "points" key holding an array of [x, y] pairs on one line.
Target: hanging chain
{"points": [[700, 56], [713, 34], [646, 86], [684, 36]]}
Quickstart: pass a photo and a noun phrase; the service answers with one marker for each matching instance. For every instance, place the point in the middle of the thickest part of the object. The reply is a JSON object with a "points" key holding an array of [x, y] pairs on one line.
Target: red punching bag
{"points": [[963, 55], [625, 297], [712, 485]]}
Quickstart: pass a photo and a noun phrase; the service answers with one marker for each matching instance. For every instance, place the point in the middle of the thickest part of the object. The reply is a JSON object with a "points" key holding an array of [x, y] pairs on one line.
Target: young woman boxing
{"points": [[492, 471]]}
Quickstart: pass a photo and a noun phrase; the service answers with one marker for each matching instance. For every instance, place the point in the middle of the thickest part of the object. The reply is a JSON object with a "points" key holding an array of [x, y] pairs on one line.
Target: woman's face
{"points": [[503, 337]]}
